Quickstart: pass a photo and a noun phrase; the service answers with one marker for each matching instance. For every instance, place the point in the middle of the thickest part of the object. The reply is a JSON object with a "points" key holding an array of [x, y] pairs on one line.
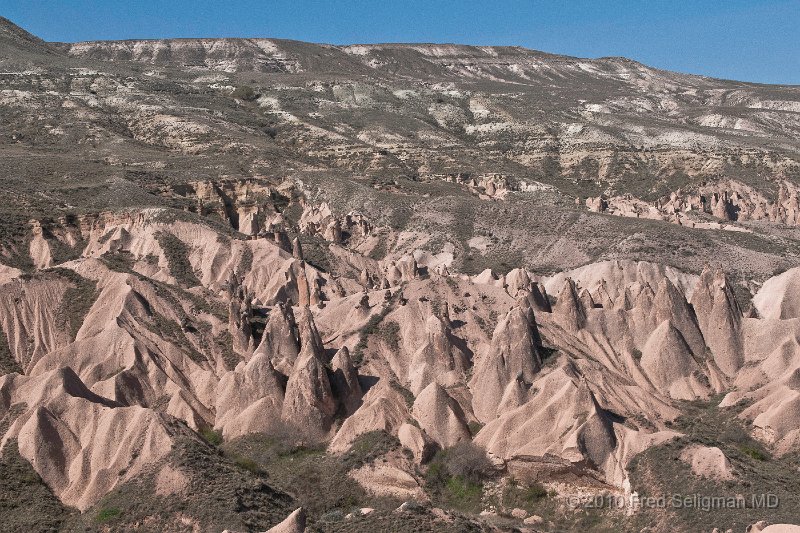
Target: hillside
{"points": [[399, 287]]}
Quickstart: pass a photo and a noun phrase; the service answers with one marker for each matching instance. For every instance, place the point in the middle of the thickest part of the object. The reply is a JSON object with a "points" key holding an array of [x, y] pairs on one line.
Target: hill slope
{"points": [[401, 286]]}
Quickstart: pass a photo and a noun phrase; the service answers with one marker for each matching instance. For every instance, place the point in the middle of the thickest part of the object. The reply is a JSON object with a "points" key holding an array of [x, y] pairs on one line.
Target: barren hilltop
{"points": [[255, 283]]}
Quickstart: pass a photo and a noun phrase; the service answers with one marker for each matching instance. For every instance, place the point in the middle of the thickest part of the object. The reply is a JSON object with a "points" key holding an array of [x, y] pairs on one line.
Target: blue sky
{"points": [[737, 39]]}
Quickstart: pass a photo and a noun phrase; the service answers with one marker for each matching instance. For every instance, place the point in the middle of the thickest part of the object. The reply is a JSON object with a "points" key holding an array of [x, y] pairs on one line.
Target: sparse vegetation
{"points": [[224, 494], [407, 149], [211, 436], [753, 452], [26, 502], [318, 481], [8, 362], [408, 396], [368, 447], [527, 497], [707, 424], [76, 302], [177, 254], [455, 477], [245, 92], [107, 514]]}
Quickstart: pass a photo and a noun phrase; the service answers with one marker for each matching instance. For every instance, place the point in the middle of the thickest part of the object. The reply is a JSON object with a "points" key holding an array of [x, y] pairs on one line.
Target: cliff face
{"points": [[313, 256]]}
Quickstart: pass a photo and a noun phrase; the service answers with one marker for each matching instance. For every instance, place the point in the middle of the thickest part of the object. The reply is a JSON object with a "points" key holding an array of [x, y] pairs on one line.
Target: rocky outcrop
{"points": [[727, 200], [719, 317], [324, 282], [294, 523], [249, 398], [561, 418], [569, 311], [309, 400], [279, 339], [74, 438], [512, 360], [440, 416], [436, 356], [344, 382], [708, 462], [240, 316], [670, 304], [778, 296], [671, 366], [414, 439]]}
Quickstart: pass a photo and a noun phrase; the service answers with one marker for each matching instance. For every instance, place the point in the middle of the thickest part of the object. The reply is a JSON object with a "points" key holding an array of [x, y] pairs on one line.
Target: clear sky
{"points": [[755, 40]]}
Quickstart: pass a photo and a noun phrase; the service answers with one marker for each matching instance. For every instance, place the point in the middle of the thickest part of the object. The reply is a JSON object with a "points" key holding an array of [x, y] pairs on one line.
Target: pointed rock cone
{"points": [[586, 299], [303, 291], [668, 362], [512, 355], [294, 523], [513, 396], [779, 296], [333, 232], [538, 298], [720, 318], [414, 439], [282, 240], [517, 280], [440, 416], [644, 300], [437, 356], [344, 382], [297, 249], [307, 332], [408, 268], [569, 311], [309, 402], [308, 292], [670, 304], [624, 301], [280, 341], [240, 314], [246, 395], [363, 278], [486, 277], [602, 296]]}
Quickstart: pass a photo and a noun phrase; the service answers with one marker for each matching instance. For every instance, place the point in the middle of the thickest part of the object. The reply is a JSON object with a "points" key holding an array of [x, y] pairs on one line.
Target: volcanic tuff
{"points": [[282, 284]]}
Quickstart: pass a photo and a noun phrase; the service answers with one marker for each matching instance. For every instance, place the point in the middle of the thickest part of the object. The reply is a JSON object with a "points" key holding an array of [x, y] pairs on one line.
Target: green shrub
{"points": [[107, 514], [246, 93], [247, 464], [455, 476], [475, 427], [390, 332], [408, 396], [753, 452], [463, 494], [212, 437]]}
